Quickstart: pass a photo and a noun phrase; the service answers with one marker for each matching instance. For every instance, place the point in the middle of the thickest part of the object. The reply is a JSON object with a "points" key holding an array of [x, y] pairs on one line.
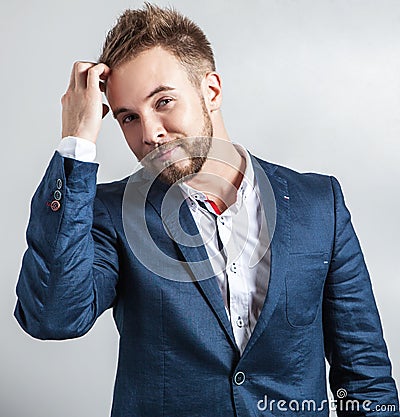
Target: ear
{"points": [[212, 91]]}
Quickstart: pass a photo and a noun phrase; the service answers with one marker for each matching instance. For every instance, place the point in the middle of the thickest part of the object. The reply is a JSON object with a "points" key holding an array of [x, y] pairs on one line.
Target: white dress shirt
{"points": [[242, 265]]}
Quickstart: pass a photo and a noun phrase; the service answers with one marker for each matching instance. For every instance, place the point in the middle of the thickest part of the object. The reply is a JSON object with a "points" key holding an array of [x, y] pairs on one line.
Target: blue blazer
{"points": [[177, 354]]}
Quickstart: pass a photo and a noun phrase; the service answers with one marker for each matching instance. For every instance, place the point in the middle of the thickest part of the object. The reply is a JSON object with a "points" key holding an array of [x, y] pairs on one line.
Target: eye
{"points": [[163, 102], [129, 118]]}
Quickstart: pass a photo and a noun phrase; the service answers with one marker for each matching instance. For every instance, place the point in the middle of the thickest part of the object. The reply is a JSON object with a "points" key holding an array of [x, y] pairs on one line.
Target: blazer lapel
{"points": [[279, 243], [197, 259], [175, 214]]}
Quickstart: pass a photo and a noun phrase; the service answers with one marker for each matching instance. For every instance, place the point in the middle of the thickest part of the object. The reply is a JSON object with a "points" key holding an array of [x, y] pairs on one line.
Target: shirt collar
{"points": [[246, 186]]}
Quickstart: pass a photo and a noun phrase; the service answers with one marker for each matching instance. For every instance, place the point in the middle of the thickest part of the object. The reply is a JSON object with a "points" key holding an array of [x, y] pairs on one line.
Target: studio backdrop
{"points": [[313, 85]]}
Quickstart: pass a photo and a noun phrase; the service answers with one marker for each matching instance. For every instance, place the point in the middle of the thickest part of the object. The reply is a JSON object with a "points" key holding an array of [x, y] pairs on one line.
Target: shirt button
{"points": [[59, 183], [239, 322], [233, 268], [55, 205], [239, 378]]}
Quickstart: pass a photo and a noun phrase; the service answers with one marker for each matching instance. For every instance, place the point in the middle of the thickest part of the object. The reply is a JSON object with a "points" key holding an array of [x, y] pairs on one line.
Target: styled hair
{"points": [[138, 30]]}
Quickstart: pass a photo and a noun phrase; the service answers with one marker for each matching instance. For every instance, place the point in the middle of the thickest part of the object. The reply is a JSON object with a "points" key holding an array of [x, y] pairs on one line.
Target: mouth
{"points": [[165, 153]]}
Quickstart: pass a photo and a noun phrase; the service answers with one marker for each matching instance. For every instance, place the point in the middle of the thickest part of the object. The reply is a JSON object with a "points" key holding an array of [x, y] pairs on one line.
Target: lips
{"points": [[167, 153], [164, 152]]}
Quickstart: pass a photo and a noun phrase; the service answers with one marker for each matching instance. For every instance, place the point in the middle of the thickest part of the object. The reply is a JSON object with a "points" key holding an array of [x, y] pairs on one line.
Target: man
{"points": [[231, 279]]}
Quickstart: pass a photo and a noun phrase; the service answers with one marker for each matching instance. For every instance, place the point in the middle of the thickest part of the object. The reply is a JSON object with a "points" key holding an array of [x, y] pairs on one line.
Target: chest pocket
{"points": [[305, 281]]}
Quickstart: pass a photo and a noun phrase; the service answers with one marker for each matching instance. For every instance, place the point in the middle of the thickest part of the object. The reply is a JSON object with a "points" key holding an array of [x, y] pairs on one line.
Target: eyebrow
{"points": [[157, 90]]}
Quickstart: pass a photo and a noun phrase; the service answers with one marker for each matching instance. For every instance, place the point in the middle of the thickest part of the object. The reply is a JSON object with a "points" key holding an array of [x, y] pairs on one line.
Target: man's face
{"points": [[158, 108]]}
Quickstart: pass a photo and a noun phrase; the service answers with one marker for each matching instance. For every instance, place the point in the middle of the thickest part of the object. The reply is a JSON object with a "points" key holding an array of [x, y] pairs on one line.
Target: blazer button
{"points": [[57, 195], [55, 205], [239, 378], [59, 183]]}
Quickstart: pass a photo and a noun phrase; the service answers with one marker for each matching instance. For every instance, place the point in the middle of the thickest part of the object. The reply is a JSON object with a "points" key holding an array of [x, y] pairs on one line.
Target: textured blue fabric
{"points": [[177, 352]]}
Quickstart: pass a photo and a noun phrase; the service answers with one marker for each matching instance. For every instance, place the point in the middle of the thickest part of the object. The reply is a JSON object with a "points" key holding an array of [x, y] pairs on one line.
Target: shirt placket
{"points": [[238, 296]]}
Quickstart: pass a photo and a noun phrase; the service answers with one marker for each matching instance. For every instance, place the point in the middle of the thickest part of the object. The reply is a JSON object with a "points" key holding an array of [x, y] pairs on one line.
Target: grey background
{"points": [[314, 85]]}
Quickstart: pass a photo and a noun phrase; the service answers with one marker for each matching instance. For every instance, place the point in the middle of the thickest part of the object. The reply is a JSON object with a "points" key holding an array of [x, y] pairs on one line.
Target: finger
{"points": [[106, 109], [105, 71], [96, 74], [81, 73], [103, 78]]}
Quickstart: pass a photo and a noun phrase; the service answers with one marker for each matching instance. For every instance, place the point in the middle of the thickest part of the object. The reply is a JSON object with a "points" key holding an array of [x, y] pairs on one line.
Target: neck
{"points": [[221, 174]]}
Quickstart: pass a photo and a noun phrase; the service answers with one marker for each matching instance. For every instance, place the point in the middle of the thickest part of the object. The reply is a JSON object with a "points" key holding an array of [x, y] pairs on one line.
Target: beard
{"points": [[192, 154]]}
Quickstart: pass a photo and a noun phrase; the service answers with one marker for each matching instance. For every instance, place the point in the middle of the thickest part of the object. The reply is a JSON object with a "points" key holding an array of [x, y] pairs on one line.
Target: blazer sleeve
{"points": [[69, 271], [355, 349]]}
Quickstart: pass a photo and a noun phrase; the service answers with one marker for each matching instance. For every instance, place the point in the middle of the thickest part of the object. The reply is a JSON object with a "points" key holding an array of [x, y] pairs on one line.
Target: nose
{"points": [[153, 131]]}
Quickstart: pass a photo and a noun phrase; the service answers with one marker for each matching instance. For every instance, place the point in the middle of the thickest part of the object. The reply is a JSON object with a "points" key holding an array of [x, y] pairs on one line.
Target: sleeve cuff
{"points": [[77, 148]]}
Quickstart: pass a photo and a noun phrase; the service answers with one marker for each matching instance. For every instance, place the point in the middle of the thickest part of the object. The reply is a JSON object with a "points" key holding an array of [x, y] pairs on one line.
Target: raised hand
{"points": [[82, 106]]}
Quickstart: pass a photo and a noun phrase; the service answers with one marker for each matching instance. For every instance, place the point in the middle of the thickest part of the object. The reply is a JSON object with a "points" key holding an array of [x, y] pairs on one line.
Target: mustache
{"points": [[164, 147]]}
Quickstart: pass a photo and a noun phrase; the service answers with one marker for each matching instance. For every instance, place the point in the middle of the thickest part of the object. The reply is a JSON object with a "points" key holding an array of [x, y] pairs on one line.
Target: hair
{"points": [[138, 30]]}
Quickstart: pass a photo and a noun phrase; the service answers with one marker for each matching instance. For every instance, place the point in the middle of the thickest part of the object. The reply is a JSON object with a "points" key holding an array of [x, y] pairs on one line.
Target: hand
{"points": [[82, 107]]}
